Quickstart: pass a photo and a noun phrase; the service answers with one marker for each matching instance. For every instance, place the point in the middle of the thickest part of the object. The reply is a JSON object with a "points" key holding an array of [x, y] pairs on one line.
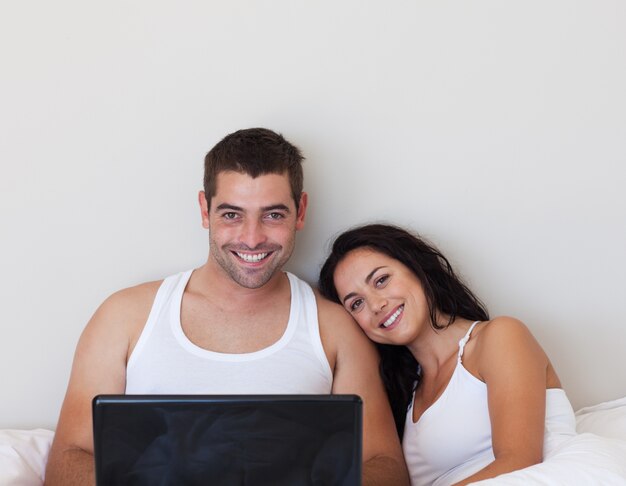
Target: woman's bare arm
{"points": [[514, 367]]}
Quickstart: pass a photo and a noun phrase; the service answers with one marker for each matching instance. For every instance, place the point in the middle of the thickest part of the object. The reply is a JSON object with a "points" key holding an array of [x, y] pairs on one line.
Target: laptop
{"points": [[242, 440]]}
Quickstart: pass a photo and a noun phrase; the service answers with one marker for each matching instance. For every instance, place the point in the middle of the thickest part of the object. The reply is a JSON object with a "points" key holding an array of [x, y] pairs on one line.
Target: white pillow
{"points": [[23, 456], [607, 419]]}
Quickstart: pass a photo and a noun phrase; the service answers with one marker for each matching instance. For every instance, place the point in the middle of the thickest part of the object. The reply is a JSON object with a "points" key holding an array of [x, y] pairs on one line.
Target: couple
{"points": [[471, 397]]}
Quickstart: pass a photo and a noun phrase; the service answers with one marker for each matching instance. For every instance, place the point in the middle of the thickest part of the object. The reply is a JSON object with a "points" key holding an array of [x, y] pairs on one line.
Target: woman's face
{"points": [[383, 296]]}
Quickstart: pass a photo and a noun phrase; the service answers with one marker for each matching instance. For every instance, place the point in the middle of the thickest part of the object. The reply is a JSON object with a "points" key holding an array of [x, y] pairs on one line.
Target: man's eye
{"points": [[229, 215], [275, 216], [356, 303]]}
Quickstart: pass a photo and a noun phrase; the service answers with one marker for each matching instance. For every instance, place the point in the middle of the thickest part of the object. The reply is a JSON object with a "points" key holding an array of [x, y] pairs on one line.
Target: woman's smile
{"points": [[392, 320]]}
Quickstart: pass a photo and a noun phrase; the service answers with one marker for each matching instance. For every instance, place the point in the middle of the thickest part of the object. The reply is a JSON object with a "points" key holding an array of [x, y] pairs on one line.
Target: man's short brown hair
{"points": [[255, 152]]}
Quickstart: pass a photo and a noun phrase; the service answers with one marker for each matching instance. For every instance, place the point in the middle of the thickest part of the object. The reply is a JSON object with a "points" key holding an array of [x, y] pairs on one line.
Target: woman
{"points": [[472, 397]]}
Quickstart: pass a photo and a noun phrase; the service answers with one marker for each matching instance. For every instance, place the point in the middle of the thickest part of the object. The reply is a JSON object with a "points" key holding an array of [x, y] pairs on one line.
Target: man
{"points": [[238, 324]]}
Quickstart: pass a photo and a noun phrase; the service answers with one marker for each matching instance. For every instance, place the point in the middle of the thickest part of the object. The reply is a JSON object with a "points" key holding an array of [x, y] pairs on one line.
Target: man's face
{"points": [[252, 225]]}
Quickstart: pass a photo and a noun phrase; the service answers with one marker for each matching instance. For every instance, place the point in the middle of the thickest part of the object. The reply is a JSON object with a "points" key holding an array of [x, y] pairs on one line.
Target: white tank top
{"points": [[452, 438], [165, 361]]}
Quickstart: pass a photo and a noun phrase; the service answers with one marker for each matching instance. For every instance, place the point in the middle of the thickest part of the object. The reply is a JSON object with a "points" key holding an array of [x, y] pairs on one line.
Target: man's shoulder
{"points": [[118, 321], [328, 309], [128, 304], [334, 320], [135, 295]]}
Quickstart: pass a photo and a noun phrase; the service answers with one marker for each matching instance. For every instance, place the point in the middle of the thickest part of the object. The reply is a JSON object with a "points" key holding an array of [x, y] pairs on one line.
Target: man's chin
{"points": [[254, 278], [251, 276], [252, 284]]}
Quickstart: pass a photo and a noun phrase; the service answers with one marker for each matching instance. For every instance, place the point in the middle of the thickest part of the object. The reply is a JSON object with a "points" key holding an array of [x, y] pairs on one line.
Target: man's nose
{"points": [[252, 234]]}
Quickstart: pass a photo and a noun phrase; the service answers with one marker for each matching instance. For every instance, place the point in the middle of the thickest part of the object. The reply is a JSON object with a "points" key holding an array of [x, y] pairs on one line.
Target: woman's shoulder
{"points": [[503, 340], [502, 328]]}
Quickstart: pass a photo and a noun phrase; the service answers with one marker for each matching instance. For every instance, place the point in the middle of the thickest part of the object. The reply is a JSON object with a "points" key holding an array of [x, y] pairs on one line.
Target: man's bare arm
{"points": [[99, 368], [356, 372]]}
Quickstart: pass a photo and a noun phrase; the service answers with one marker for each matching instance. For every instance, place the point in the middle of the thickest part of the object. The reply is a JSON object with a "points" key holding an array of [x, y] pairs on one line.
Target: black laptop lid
{"points": [[231, 440]]}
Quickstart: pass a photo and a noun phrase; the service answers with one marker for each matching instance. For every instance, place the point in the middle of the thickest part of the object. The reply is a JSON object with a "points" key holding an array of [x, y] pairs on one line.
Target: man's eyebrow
{"points": [[273, 207], [228, 206], [367, 280], [276, 207]]}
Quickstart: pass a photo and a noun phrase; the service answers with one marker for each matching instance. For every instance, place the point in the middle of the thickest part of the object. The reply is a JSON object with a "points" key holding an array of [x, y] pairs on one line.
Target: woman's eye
{"points": [[355, 304], [381, 280]]}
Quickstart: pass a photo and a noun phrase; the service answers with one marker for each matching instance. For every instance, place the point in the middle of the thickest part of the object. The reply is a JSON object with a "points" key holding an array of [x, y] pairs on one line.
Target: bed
{"points": [[596, 456]]}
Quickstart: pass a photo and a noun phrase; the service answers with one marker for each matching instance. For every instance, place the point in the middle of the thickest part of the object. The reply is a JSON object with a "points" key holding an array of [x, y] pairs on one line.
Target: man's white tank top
{"points": [[165, 361]]}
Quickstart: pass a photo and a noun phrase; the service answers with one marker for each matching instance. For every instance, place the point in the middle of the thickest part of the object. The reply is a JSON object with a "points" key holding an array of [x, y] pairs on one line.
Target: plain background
{"points": [[495, 129]]}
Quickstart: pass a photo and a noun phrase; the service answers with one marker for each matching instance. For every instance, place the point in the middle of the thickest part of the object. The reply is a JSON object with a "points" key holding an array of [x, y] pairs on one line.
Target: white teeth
{"points": [[393, 317], [252, 258]]}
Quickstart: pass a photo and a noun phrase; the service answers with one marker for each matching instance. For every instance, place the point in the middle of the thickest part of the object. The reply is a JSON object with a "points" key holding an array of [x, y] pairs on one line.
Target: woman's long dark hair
{"points": [[445, 293]]}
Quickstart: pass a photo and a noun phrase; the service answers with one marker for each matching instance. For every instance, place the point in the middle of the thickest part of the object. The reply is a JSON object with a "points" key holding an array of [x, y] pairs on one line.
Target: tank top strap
{"points": [[464, 340]]}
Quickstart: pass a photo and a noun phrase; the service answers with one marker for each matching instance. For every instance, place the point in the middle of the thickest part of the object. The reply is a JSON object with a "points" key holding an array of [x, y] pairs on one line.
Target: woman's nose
{"points": [[379, 304]]}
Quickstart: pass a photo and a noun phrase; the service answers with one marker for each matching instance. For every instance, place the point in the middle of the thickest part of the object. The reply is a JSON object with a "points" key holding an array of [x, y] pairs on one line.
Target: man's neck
{"points": [[212, 281]]}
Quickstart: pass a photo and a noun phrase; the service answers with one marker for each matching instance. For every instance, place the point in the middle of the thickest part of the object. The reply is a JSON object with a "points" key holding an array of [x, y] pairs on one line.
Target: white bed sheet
{"points": [[597, 456], [584, 460], [23, 455]]}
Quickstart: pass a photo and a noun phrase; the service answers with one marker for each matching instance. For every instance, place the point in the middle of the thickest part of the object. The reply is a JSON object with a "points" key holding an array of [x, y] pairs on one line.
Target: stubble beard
{"points": [[251, 278]]}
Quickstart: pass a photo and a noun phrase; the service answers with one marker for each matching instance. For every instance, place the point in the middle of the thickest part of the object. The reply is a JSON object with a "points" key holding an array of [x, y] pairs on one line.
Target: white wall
{"points": [[497, 129]]}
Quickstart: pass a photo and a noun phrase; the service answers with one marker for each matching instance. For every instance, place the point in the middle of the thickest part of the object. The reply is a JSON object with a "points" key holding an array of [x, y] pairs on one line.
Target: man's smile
{"points": [[252, 257]]}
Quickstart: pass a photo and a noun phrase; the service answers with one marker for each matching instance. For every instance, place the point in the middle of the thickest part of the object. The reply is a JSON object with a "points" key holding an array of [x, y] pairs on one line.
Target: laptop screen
{"points": [[232, 440]]}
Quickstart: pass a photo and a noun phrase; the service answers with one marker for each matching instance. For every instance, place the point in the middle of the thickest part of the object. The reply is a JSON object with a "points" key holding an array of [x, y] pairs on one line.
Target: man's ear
{"points": [[204, 209], [304, 199]]}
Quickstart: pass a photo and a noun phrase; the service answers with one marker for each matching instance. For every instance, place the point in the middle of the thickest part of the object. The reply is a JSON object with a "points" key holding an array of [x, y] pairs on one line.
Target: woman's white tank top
{"points": [[452, 439], [165, 361]]}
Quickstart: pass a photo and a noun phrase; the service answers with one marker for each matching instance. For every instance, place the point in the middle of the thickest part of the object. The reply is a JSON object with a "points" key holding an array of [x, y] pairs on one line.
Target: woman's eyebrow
{"points": [[371, 274], [349, 296]]}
